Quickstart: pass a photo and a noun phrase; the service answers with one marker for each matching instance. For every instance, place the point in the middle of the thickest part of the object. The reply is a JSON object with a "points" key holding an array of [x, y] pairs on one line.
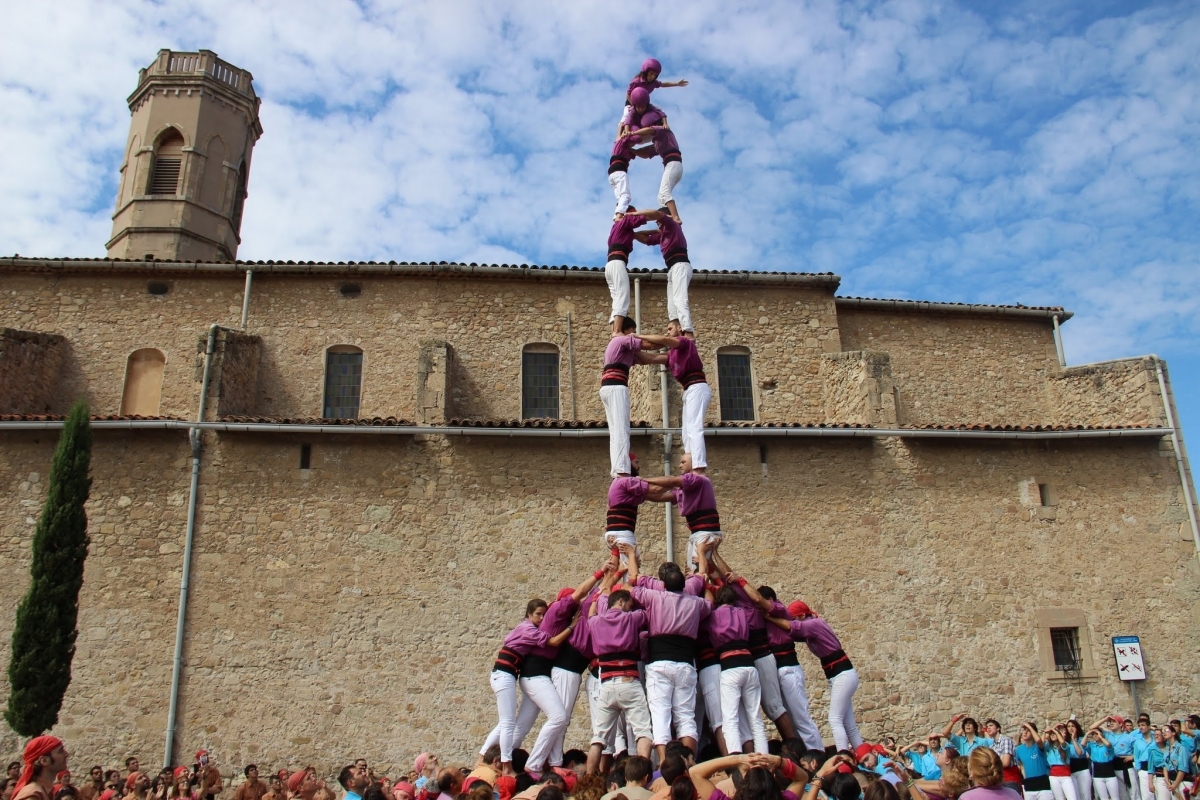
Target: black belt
{"points": [[537, 667], [786, 658], [1079, 764], [1039, 784], [1103, 769], [836, 663], [676, 257], [735, 654], [671, 647], [760, 645], [571, 660]]}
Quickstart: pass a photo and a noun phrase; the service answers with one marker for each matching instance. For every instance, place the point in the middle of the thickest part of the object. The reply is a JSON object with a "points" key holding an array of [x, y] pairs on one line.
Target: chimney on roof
{"points": [[187, 160]]}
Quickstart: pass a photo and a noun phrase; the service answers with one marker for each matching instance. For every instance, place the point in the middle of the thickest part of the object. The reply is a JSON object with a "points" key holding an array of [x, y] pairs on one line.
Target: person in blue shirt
{"points": [[921, 760], [1030, 755], [1078, 760], [1143, 743], [1059, 759], [969, 737], [1122, 744], [1175, 766], [1104, 772]]}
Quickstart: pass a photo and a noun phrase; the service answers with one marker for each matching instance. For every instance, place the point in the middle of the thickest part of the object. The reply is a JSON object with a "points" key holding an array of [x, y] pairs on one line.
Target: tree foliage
{"points": [[43, 641]]}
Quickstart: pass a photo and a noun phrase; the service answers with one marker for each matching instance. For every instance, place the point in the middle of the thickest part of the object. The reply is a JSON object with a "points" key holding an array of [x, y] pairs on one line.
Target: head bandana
{"points": [[296, 780], [419, 764], [405, 786], [131, 780], [564, 592], [799, 608], [107, 794], [179, 771], [38, 746]]}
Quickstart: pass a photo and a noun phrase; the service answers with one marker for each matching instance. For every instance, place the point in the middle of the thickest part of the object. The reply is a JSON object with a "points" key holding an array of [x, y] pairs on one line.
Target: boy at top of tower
{"points": [[648, 80]]}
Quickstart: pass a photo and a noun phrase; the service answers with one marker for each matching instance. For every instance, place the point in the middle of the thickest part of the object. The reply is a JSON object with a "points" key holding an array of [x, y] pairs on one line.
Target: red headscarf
{"points": [[799, 609], [179, 771], [296, 780], [38, 746]]}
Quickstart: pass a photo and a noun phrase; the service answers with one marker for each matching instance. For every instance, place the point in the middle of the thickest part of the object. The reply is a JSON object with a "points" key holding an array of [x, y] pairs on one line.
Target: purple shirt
{"points": [[672, 613], [622, 349], [615, 631], [627, 490], [557, 617], [653, 115], [756, 620], [641, 83], [816, 633], [777, 636], [581, 635], [525, 638], [728, 623], [696, 495], [693, 584], [684, 359], [621, 233], [670, 236]]}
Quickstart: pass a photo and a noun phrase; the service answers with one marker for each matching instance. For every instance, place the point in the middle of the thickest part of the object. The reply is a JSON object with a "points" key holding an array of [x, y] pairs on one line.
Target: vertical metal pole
{"points": [[668, 508], [1058, 345], [1137, 706], [571, 364], [637, 303], [246, 298]]}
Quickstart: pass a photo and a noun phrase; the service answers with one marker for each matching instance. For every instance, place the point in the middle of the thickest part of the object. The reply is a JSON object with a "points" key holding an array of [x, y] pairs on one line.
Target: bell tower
{"points": [[187, 160]]}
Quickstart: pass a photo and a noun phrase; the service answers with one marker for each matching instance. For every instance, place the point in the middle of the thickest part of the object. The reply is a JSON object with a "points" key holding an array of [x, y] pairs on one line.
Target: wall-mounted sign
{"points": [[1128, 650]]}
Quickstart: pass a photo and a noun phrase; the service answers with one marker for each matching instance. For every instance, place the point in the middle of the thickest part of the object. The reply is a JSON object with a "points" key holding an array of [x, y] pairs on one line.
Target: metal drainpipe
{"points": [[246, 298], [1058, 345], [194, 435], [1177, 444], [571, 364]]}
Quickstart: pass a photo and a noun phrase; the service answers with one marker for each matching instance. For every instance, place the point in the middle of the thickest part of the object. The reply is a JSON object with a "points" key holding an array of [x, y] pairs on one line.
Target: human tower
{"points": [[666, 657]]}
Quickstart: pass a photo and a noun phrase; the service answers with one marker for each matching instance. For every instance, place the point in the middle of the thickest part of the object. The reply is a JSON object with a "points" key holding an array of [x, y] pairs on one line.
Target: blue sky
{"points": [[1034, 152]]}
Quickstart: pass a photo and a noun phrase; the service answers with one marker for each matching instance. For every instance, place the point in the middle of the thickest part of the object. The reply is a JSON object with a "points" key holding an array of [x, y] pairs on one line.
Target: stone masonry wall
{"points": [[1114, 393], [956, 370], [354, 608], [30, 364], [858, 388], [235, 372]]}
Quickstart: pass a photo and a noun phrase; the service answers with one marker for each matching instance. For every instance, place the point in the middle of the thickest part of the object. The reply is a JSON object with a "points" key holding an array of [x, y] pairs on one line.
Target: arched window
{"points": [[343, 382], [539, 381], [168, 160], [143, 382], [735, 384]]}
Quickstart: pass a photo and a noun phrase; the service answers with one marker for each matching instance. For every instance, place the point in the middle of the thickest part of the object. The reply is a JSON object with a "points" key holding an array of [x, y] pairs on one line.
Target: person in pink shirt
{"points": [[697, 502], [683, 360], [623, 351], [646, 80], [535, 641], [652, 127], [670, 239], [625, 494], [616, 269]]}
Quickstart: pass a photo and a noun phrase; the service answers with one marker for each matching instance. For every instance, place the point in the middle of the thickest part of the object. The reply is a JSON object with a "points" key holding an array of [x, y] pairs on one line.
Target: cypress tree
{"points": [[43, 640]]}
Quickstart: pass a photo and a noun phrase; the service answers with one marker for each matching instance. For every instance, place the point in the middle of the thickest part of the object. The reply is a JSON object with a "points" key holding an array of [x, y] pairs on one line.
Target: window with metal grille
{"points": [[168, 159], [735, 385], [343, 383], [1065, 642], [539, 382]]}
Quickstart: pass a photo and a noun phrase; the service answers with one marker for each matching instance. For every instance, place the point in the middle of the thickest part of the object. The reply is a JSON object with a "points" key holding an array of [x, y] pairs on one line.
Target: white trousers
{"points": [[1038, 794], [614, 538], [768, 681], [672, 172], [1144, 785], [695, 407], [505, 687], [1083, 784], [616, 411], [566, 683], [740, 689], [616, 698], [616, 273], [1162, 790], [619, 181], [795, 697], [540, 694], [671, 695], [841, 712], [697, 539], [1107, 788], [1063, 788], [1132, 791], [679, 277], [592, 687], [708, 681]]}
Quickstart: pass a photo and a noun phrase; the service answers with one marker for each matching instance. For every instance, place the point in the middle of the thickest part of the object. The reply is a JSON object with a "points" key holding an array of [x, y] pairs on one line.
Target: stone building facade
{"points": [[928, 476]]}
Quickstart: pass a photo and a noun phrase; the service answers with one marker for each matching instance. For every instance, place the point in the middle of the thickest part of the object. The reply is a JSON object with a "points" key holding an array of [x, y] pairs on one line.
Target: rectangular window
{"points": [[343, 383], [735, 386], [1065, 642], [165, 179], [539, 385], [306, 456]]}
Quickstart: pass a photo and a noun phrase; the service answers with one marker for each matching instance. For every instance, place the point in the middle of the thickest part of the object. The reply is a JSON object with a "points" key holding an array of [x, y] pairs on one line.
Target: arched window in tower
{"points": [[239, 199], [168, 161], [539, 381], [343, 382], [143, 382]]}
